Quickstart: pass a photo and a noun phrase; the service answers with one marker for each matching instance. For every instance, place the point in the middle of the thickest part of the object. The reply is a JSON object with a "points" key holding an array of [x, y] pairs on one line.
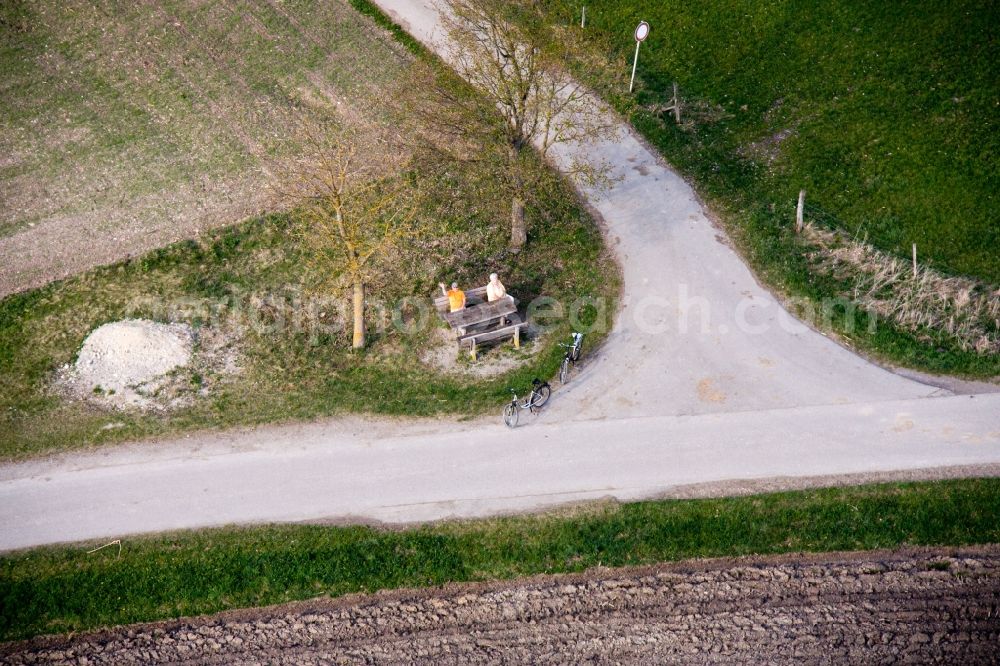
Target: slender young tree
{"points": [[352, 191], [527, 100]]}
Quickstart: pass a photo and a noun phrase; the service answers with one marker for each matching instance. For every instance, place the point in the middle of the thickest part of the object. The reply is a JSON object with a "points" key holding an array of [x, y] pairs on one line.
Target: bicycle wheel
{"points": [[564, 371], [576, 352], [510, 415], [541, 395]]}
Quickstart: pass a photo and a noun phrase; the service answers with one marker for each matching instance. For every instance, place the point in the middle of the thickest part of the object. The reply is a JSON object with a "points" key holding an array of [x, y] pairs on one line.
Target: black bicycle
{"points": [[571, 357], [540, 392]]}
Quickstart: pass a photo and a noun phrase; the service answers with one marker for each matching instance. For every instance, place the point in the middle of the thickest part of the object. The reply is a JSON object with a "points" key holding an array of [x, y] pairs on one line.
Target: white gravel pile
{"points": [[124, 362]]}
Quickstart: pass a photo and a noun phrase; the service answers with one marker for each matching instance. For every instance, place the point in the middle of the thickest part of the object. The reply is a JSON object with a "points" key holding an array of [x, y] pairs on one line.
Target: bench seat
{"points": [[512, 329]]}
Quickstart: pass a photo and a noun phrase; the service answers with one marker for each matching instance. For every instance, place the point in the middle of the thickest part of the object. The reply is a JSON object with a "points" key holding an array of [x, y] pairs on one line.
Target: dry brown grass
{"points": [[125, 127], [963, 309]]}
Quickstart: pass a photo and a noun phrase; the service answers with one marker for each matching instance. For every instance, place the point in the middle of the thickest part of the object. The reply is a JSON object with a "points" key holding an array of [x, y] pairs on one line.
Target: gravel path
{"points": [[352, 472], [918, 606]]}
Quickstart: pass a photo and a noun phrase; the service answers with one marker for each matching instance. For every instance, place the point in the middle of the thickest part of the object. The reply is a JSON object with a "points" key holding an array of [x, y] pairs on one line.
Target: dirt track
{"points": [[921, 606]]}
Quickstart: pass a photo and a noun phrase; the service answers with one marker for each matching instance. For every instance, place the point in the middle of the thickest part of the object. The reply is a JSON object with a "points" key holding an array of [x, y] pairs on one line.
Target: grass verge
{"points": [[62, 589], [372, 11], [885, 115]]}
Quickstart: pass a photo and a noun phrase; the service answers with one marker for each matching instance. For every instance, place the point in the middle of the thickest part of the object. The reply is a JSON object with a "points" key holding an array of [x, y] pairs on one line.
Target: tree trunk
{"points": [[359, 314], [518, 229]]}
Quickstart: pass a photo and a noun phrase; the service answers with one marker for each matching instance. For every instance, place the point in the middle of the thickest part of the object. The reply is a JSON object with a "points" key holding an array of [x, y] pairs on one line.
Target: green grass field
{"points": [[886, 114], [62, 589]]}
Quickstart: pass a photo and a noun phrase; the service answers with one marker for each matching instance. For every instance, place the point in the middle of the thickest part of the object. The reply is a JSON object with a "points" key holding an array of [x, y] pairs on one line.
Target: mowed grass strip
{"points": [[62, 589], [886, 114]]}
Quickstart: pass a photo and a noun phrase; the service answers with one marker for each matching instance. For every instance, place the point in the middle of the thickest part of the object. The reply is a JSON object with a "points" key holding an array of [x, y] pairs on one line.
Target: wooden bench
{"points": [[482, 313], [481, 322], [512, 329]]}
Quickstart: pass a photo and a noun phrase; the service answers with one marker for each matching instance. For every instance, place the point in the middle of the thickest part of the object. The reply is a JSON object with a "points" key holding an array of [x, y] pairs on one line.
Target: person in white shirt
{"points": [[495, 289]]}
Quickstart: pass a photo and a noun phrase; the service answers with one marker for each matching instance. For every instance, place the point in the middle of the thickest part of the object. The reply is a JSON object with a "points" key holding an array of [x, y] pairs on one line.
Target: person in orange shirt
{"points": [[456, 297]]}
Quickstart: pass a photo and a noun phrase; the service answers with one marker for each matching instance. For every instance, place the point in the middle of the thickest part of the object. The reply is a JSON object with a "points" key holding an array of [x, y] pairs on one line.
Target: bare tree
{"points": [[351, 189], [508, 53]]}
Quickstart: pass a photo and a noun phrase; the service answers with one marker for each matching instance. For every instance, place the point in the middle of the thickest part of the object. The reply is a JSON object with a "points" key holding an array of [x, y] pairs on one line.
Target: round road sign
{"points": [[641, 31]]}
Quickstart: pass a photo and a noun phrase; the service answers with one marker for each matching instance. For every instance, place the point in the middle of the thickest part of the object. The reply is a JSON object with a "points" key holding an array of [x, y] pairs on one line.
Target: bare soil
{"points": [[914, 606], [127, 127], [443, 355]]}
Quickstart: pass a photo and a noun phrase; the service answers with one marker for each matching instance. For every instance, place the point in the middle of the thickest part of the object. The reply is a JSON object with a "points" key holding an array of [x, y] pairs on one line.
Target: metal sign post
{"points": [[641, 33]]}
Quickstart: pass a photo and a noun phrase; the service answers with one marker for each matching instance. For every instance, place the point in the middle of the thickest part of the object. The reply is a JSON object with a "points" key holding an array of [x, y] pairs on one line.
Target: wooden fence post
{"points": [[914, 260], [799, 211], [583, 18], [675, 105]]}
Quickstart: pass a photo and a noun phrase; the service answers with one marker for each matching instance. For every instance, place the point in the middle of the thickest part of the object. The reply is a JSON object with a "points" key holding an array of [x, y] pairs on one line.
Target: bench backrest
{"points": [[472, 296]]}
